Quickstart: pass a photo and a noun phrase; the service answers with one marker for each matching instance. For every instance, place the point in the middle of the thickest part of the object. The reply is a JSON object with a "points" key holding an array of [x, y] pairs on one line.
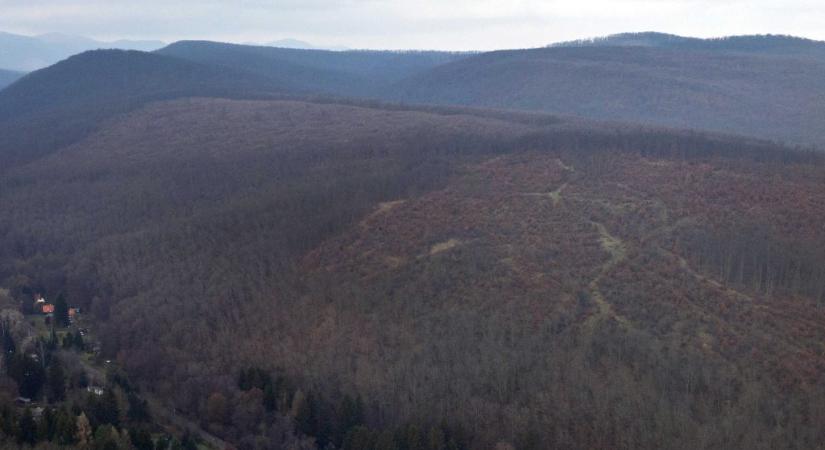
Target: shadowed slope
{"points": [[362, 72], [55, 106]]}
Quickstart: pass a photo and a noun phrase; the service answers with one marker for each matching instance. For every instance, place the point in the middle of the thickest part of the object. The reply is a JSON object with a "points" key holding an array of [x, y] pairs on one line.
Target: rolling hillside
{"points": [[773, 97], [343, 73], [762, 86], [760, 95], [506, 278], [67, 101], [54, 107], [274, 264]]}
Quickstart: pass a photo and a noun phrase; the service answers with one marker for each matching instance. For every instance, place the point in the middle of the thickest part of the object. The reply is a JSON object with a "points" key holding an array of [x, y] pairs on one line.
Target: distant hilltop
{"points": [[301, 45], [764, 43], [27, 53]]}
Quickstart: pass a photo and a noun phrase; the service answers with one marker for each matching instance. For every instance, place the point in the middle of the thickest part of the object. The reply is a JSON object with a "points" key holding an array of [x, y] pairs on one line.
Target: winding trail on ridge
{"points": [[617, 250]]}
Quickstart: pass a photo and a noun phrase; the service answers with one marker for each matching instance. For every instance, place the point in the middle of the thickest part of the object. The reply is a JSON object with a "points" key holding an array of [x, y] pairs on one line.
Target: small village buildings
{"points": [[96, 390], [44, 307]]}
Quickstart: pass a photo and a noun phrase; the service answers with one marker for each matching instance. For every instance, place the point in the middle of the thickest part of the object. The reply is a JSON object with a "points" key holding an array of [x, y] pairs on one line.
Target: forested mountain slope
{"points": [[763, 86], [473, 277], [765, 96], [347, 73], [775, 97], [56, 106]]}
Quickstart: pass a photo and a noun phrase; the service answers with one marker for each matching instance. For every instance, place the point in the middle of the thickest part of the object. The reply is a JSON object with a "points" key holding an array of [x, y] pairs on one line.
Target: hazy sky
{"points": [[437, 24]]}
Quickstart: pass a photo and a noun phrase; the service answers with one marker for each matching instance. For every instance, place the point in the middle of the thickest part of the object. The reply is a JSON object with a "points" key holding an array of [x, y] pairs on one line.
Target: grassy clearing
{"points": [[444, 246]]}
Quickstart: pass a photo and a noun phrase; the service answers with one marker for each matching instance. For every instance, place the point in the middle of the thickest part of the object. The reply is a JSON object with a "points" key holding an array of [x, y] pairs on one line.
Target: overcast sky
{"points": [[396, 24]]}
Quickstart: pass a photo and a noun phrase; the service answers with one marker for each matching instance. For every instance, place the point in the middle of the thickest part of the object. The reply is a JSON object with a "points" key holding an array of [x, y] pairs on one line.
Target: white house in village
{"points": [[95, 390]]}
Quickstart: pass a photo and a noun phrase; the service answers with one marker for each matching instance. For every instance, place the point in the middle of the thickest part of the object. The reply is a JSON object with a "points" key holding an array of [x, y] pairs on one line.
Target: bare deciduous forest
{"points": [[510, 280], [235, 263]]}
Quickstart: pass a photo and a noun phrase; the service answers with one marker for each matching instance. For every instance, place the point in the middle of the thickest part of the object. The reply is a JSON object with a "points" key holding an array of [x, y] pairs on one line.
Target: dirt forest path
{"points": [[617, 250]]}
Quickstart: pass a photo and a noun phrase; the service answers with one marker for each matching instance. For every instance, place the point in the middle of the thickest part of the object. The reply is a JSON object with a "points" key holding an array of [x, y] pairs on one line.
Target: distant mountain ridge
{"points": [[770, 44], [27, 53], [764, 93], [525, 279], [749, 94], [72, 98], [347, 73], [301, 45]]}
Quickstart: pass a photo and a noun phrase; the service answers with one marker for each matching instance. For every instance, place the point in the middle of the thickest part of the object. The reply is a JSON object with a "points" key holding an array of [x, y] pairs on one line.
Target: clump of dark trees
{"points": [[117, 419], [333, 424]]}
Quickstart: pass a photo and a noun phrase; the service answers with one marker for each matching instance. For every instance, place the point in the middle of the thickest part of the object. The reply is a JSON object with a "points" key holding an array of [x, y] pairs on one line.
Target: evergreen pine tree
{"points": [[109, 412], [28, 374], [9, 347], [51, 344], [243, 381], [78, 341], [305, 414], [386, 441], [188, 442], [138, 408], [61, 311], [27, 428], [350, 415], [65, 428], [270, 399], [56, 381], [414, 441], [68, 341], [46, 426], [142, 439], [435, 439]]}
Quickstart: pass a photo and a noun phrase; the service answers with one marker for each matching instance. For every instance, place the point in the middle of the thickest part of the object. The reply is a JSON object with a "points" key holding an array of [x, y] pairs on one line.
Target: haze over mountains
{"points": [[27, 53], [299, 44], [591, 245], [762, 86], [7, 77]]}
